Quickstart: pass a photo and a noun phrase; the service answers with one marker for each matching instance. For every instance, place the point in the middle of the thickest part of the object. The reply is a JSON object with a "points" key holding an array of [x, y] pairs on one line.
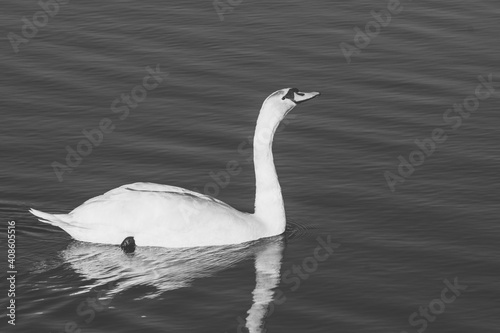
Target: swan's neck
{"points": [[269, 206]]}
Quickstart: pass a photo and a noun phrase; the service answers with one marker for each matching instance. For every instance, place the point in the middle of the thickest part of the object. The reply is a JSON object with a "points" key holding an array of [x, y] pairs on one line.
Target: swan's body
{"points": [[157, 215], [169, 216]]}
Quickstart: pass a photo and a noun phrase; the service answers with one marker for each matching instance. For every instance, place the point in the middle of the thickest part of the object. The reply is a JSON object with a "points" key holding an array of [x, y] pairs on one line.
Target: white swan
{"points": [[169, 216]]}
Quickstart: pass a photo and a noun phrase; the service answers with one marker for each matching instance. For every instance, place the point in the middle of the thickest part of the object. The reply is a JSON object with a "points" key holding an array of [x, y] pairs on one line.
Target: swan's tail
{"points": [[63, 221]]}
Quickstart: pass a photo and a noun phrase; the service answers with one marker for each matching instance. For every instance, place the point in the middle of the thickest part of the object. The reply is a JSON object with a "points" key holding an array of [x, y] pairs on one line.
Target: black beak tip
{"points": [[128, 245]]}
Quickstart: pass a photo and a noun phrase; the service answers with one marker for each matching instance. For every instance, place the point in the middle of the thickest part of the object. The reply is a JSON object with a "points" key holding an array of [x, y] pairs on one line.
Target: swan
{"points": [[169, 216]]}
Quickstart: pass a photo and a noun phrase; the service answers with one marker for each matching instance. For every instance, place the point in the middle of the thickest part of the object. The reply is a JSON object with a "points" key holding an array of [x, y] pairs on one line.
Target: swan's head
{"points": [[283, 101]]}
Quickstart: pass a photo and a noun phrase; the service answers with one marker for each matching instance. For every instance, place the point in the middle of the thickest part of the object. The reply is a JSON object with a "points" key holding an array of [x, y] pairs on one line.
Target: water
{"points": [[395, 248]]}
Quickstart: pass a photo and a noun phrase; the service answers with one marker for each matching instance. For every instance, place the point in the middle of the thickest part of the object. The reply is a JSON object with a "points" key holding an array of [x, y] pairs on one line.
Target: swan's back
{"points": [[152, 187]]}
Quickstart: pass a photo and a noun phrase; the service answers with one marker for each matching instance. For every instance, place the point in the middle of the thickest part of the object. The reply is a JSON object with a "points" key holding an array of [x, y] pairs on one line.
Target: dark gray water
{"points": [[399, 234]]}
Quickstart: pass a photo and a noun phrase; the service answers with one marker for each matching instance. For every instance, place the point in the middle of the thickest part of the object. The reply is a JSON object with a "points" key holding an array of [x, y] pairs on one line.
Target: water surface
{"points": [[395, 247]]}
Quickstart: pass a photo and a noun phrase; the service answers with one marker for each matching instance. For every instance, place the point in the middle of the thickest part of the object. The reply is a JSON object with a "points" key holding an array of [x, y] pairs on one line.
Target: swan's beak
{"points": [[301, 97]]}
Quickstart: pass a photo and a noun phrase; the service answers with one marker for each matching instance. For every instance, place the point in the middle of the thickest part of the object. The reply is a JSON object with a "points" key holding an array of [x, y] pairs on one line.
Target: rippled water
{"points": [[395, 245]]}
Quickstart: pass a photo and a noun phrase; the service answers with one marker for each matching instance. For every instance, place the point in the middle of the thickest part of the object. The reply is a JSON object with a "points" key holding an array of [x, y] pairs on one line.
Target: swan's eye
{"points": [[291, 94]]}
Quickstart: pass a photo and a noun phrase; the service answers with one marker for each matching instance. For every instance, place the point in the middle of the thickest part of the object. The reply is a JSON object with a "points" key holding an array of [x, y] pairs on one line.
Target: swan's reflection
{"points": [[168, 269], [267, 278]]}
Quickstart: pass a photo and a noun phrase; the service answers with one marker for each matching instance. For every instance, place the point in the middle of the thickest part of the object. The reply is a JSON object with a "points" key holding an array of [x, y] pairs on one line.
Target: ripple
{"points": [[295, 230]]}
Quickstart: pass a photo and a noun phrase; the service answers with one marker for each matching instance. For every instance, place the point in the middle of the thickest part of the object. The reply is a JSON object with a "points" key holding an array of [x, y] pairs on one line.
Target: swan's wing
{"points": [[151, 187], [161, 215]]}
